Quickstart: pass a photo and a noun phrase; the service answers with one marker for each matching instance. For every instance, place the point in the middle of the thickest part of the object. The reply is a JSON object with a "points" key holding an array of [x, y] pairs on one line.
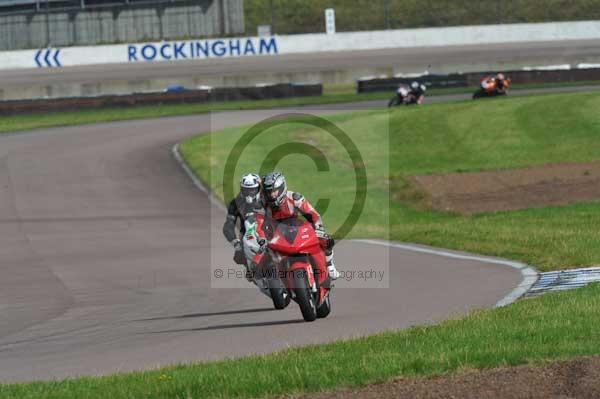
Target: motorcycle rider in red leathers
{"points": [[499, 79], [287, 204]]}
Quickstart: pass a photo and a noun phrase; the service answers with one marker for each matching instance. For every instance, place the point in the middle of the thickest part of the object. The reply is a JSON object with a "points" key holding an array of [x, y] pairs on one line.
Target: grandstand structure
{"points": [[29, 24]]}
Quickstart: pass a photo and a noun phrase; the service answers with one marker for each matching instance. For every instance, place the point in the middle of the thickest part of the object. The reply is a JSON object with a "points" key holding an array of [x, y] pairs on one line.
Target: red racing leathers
{"points": [[294, 205]]}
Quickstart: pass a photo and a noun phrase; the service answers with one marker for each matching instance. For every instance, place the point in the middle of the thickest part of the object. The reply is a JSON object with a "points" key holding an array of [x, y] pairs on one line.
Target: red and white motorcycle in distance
{"points": [[294, 253], [404, 96]]}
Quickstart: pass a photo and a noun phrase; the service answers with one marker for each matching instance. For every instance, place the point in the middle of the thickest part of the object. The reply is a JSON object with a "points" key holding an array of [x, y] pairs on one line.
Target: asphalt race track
{"points": [[439, 59], [104, 257]]}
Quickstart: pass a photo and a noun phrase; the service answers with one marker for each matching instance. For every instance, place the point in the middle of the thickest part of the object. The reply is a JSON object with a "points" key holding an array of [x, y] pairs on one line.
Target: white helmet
{"points": [[415, 85], [250, 188]]}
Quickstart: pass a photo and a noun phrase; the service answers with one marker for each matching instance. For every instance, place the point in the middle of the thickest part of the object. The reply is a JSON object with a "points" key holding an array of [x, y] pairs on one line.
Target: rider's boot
{"points": [[250, 271], [331, 270]]}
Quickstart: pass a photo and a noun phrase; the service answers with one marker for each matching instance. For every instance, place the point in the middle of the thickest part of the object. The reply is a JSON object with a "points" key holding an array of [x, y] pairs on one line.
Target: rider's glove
{"points": [[321, 233], [326, 240]]}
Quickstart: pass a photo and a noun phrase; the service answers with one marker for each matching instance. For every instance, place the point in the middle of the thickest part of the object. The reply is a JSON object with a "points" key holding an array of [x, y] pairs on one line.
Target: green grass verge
{"points": [[466, 136], [504, 133], [555, 326], [332, 94], [59, 119]]}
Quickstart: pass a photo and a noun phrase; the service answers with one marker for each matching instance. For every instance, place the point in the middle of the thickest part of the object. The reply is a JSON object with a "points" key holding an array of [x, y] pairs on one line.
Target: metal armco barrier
{"points": [[473, 79], [391, 84], [189, 96], [265, 92]]}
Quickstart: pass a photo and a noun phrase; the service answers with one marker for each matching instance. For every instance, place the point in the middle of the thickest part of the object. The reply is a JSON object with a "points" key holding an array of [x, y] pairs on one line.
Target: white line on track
{"points": [[214, 200], [530, 275]]}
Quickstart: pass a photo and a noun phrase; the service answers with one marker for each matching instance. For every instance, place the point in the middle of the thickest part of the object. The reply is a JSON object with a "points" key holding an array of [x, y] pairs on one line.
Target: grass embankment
{"points": [[555, 326], [467, 136], [332, 94], [464, 136]]}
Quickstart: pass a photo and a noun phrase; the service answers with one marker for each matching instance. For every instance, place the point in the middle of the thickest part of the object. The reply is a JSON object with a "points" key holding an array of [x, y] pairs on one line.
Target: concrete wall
{"points": [[72, 56], [83, 27], [147, 24]]}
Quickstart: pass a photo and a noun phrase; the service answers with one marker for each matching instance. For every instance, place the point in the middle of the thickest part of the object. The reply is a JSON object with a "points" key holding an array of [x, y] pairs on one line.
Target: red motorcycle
{"points": [[291, 246], [492, 86]]}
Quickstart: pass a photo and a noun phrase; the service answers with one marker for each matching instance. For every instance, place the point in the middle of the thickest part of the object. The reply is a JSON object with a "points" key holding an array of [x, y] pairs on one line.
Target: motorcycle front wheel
{"points": [[325, 308], [478, 94], [279, 294], [304, 296]]}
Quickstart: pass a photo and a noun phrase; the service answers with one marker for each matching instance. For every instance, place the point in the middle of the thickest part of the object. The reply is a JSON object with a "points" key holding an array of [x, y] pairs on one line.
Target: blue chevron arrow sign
{"points": [[47, 58]]}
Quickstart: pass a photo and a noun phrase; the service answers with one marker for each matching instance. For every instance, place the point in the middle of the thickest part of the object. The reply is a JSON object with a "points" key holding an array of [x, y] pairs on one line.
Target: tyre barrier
{"points": [[473, 79], [182, 96]]}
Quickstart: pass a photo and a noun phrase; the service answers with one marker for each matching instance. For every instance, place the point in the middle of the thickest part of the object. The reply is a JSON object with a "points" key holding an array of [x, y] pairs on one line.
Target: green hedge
{"points": [[306, 16]]}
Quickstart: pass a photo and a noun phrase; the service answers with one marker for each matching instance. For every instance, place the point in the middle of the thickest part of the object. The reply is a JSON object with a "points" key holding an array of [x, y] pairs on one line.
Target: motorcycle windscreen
{"points": [[292, 236]]}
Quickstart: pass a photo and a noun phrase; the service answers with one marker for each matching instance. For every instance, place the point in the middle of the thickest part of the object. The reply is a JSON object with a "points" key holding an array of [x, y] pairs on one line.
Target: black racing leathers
{"points": [[237, 210]]}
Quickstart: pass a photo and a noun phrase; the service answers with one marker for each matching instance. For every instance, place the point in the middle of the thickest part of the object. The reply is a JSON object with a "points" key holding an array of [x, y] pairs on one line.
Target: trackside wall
{"points": [[298, 44]]}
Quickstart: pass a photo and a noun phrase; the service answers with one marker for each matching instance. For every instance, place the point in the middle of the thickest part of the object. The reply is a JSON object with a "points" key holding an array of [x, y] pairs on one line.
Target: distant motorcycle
{"points": [[405, 96], [491, 87], [295, 254]]}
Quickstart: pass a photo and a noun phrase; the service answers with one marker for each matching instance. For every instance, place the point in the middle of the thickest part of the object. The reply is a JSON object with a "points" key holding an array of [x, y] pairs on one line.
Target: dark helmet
{"points": [[250, 188], [275, 188]]}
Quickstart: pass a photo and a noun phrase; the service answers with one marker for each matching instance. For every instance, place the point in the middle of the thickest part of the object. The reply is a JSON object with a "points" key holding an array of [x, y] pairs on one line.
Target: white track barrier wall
{"points": [[298, 44]]}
